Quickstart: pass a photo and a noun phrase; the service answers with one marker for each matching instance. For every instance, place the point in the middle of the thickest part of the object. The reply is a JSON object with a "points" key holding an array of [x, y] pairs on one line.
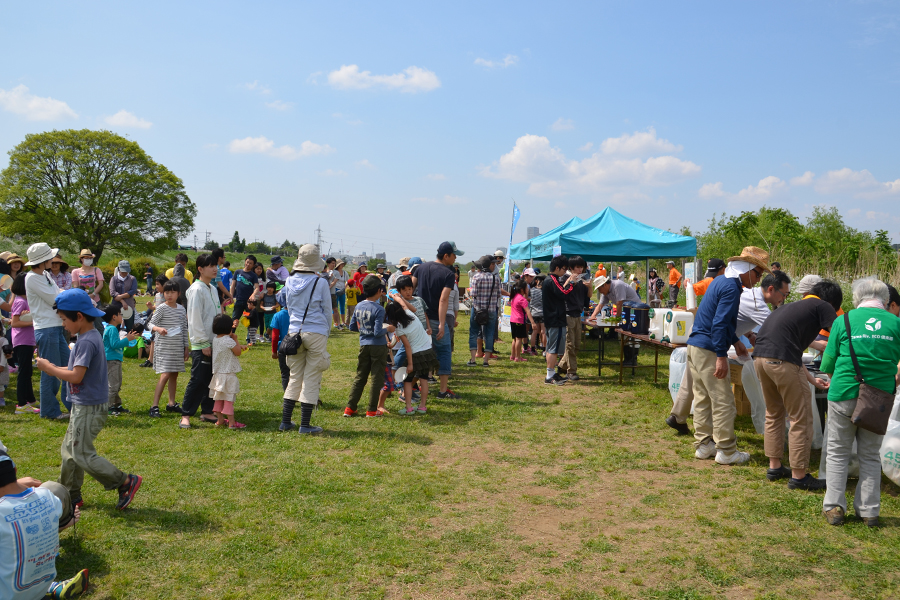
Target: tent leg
{"points": [[647, 279]]}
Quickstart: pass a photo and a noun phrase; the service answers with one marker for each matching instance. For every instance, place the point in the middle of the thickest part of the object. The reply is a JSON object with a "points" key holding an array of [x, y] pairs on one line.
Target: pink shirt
{"points": [[518, 307], [21, 336], [90, 279]]}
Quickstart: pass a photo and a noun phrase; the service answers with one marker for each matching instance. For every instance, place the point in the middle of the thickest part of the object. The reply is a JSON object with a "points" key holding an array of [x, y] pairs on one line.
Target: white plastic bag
{"points": [[677, 367], [753, 391], [890, 446]]}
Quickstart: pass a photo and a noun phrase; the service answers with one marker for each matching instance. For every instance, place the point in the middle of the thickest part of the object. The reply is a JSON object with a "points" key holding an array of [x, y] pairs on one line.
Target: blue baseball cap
{"points": [[415, 260], [77, 300]]}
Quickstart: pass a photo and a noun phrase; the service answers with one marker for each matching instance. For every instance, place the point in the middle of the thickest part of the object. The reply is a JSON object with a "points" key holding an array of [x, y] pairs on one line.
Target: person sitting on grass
{"points": [[368, 320], [29, 542], [113, 345], [86, 377], [171, 345], [225, 385], [420, 359]]}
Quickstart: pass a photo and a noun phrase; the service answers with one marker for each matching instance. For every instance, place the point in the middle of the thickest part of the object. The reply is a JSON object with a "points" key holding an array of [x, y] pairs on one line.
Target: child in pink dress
{"points": [[518, 302], [225, 385]]}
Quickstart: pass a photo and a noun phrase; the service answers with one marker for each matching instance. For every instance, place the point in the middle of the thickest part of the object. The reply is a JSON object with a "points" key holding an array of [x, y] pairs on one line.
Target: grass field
{"points": [[516, 490]]}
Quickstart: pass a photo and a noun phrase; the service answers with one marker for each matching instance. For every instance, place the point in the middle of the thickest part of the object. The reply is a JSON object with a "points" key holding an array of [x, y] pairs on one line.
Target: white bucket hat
{"points": [[600, 281], [40, 253], [308, 259]]}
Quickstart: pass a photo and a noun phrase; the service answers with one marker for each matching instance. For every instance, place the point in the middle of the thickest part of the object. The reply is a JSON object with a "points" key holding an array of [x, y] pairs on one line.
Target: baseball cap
{"points": [[449, 248], [529, 271], [713, 266], [77, 300]]}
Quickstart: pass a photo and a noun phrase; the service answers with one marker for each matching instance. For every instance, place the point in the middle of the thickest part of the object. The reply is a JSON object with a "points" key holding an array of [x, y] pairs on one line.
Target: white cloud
{"points": [[280, 105], [412, 79], [587, 147], [263, 145], [550, 173], [34, 108], [314, 78], [854, 212], [766, 188], [347, 119], [256, 86], [805, 179], [455, 200], [508, 61], [436, 176], [334, 173], [711, 190], [639, 143], [123, 118], [210, 146], [861, 184], [563, 124], [364, 164]]}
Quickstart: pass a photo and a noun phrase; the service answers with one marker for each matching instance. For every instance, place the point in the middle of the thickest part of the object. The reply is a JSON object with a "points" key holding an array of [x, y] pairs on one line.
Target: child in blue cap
{"points": [[87, 378]]}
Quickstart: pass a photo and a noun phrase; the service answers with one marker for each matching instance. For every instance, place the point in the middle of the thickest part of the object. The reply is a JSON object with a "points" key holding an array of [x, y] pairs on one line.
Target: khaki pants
{"points": [[114, 368], [569, 360], [786, 391], [684, 398], [79, 455], [714, 409], [312, 359]]}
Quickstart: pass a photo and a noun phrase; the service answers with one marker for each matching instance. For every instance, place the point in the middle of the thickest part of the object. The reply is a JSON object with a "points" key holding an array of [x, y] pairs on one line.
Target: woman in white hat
{"points": [[49, 335], [122, 289], [307, 298]]}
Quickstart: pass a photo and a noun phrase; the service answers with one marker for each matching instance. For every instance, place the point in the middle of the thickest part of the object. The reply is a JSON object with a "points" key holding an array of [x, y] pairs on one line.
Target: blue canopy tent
{"points": [[608, 235]]}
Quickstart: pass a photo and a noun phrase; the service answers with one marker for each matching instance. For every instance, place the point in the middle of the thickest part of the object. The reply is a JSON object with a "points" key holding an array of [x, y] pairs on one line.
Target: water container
{"points": [[638, 315], [658, 321], [678, 326]]}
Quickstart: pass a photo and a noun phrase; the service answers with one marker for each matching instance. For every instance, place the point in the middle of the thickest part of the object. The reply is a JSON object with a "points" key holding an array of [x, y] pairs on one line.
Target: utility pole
{"points": [[207, 239], [195, 241], [319, 239]]}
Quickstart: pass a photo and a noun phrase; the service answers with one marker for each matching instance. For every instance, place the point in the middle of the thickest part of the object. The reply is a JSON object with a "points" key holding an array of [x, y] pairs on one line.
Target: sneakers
{"points": [[705, 451], [146, 364], [27, 410], [781, 472], [310, 430], [77, 501], [471, 363], [432, 379], [573, 377], [406, 412], [737, 458], [808, 483], [349, 412], [448, 395], [128, 490], [122, 410], [154, 411], [173, 407], [70, 588], [681, 428], [555, 380], [870, 521], [113, 411], [62, 417], [370, 413], [287, 426], [835, 516]]}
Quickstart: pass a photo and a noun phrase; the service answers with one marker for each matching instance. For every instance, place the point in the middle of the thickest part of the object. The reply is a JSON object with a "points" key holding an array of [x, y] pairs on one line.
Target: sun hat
{"points": [[85, 253], [499, 254], [276, 260], [308, 259], [362, 266], [14, 258], [59, 259], [40, 253], [340, 263], [529, 271], [4, 255], [600, 282], [754, 256], [713, 266], [404, 262], [449, 248], [77, 300], [806, 284], [125, 266]]}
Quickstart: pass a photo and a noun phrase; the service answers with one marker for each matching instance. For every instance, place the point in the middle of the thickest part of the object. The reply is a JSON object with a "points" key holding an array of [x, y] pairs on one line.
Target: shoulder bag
{"points": [[483, 316], [873, 406], [291, 342]]}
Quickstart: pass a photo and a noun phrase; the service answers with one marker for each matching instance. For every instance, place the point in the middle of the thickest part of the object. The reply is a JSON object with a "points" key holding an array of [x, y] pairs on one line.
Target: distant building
{"points": [[381, 256], [533, 232]]}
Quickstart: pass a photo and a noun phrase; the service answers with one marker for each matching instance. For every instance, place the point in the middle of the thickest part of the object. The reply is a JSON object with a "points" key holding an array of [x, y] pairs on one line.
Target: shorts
{"points": [[334, 302], [556, 340], [538, 319], [388, 378], [519, 331]]}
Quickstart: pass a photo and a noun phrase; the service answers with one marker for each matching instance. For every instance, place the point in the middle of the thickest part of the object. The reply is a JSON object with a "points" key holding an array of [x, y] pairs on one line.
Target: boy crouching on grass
{"points": [[368, 320], [89, 393]]}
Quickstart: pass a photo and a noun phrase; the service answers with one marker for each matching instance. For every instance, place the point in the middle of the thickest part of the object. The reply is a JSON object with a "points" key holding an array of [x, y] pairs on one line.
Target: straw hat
{"points": [[404, 262], [64, 266], [754, 256], [599, 282], [85, 253], [10, 259], [308, 259]]}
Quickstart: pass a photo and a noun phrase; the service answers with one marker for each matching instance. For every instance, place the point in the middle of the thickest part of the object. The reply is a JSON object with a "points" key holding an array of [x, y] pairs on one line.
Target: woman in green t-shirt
{"points": [[876, 342]]}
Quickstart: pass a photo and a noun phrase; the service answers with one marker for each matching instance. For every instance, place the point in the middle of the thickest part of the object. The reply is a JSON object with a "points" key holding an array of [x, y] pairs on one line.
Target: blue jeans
{"points": [[442, 347], [475, 330], [52, 345]]}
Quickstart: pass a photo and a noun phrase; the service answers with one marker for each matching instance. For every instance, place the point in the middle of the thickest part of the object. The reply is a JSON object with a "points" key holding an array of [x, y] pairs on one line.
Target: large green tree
{"points": [[92, 189]]}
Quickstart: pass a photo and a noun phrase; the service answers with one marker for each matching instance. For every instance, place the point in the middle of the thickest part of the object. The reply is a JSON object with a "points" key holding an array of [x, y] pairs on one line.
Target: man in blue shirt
{"points": [[711, 337]]}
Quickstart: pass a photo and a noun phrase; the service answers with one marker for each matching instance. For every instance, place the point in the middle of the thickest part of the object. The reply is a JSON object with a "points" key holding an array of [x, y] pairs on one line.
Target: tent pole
{"points": [[647, 280]]}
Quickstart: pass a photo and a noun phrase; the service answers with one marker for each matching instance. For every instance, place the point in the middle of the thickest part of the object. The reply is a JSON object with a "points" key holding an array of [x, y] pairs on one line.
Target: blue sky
{"points": [[405, 125]]}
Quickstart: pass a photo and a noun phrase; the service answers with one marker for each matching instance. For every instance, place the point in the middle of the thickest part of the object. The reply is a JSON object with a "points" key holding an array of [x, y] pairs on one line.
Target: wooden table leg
{"points": [[600, 354], [656, 365]]}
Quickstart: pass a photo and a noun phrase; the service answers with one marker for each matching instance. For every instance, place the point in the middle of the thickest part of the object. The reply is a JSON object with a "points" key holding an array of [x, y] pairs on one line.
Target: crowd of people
{"points": [[406, 321]]}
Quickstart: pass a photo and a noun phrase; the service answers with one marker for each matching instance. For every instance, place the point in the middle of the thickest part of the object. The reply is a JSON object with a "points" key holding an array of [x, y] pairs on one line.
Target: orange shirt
{"points": [[674, 276], [601, 272], [700, 286]]}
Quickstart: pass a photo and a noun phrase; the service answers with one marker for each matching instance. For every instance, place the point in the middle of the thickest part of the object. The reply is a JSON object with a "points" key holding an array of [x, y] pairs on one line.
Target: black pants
{"points": [[237, 310], [372, 360], [24, 385], [197, 391], [285, 371]]}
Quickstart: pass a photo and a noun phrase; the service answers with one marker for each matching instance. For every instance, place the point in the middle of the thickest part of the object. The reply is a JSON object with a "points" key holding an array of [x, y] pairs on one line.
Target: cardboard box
{"points": [[741, 402], [735, 373]]}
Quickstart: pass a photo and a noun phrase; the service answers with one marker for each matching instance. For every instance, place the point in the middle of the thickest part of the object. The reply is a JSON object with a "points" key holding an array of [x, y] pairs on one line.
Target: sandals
{"points": [[406, 412], [236, 426], [421, 411]]}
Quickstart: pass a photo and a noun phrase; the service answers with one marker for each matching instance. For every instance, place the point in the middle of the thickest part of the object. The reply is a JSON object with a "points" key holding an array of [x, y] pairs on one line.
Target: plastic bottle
{"points": [[691, 300]]}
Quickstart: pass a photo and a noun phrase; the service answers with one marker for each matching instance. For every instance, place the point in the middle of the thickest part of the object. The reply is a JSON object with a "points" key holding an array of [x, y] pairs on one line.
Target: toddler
{"points": [[225, 364], [113, 345]]}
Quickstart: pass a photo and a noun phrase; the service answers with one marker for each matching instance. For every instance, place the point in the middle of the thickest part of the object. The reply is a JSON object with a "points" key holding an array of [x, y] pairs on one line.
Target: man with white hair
{"points": [[712, 335]]}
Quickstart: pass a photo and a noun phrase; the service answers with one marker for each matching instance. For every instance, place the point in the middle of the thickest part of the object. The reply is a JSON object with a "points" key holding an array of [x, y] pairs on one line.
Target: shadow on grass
{"points": [[75, 556], [355, 434], [141, 517]]}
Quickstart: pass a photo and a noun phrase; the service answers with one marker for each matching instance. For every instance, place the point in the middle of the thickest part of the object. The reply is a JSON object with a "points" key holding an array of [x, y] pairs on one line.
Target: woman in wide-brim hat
{"points": [[16, 264], [307, 298], [59, 272]]}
